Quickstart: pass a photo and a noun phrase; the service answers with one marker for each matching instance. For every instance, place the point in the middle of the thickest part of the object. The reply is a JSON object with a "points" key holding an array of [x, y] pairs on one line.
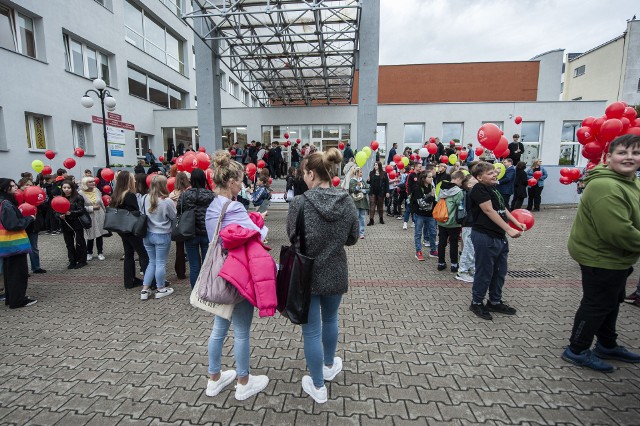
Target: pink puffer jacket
{"points": [[249, 267]]}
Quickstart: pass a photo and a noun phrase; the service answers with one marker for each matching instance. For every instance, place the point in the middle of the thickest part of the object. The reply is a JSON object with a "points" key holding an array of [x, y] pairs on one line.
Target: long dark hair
{"points": [[141, 184], [199, 179], [74, 188], [5, 187]]}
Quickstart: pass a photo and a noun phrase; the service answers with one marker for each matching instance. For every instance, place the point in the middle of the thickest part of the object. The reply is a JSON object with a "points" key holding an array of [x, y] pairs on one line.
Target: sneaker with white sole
{"points": [[404, 225], [330, 373], [214, 387], [464, 276], [144, 295], [101, 256], [89, 257], [318, 395], [253, 386], [163, 292]]}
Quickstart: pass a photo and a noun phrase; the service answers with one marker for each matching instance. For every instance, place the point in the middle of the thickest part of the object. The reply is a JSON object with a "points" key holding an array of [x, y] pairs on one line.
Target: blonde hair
{"points": [[84, 181], [225, 168], [182, 182], [125, 183], [321, 163], [157, 191]]}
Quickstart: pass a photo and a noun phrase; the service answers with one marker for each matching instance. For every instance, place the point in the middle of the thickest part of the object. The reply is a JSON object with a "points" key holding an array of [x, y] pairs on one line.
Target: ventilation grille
{"points": [[533, 273]]}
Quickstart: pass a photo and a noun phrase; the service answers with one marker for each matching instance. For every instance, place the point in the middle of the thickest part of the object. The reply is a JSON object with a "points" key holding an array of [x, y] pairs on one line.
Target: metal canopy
{"points": [[287, 52]]}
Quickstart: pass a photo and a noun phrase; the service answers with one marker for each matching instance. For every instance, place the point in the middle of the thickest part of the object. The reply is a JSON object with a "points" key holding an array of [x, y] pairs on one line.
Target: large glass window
{"points": [[153, 37], [26, 41], [413, 135], [451, 132], [137, 84], [17, 32], [569, 145], [531, 137], [79, 135], [158, 92], [223, 81], [85, 61], [36, 132], [151, 89], [174, 5], [142, 144]]}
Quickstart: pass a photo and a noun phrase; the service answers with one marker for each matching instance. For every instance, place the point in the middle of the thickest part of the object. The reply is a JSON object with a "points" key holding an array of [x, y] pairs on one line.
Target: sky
{"points": [[441, 31]]}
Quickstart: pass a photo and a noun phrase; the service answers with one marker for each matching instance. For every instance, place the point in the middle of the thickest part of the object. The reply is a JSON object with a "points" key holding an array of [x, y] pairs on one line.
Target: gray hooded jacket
{"points": [[331, 222]]}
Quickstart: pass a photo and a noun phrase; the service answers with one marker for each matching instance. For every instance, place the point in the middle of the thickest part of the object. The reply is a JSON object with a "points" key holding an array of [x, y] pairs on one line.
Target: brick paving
{"points": [[91, 352]]}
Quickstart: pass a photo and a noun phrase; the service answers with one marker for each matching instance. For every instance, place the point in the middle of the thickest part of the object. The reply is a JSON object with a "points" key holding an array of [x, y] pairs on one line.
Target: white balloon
{"points": [[424, 152]]}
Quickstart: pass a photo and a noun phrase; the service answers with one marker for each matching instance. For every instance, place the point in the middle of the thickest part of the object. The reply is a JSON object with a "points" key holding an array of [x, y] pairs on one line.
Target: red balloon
{"points": [[625, 124], [261, 164], [202, 149], [563, 171], [444, 159], [432, 140], [591, 165], [400, 165], [592, 150], [397, 158], [615, 110], [47, 170], [69, 163], [251, 170], [489, 135], [150, 178], [588, 122], [107, 174], [392, 174], [161, 158], [479, 151], [523, 216], [19, 195], [34, 195], [190, 162], [636, 123], [180, 163], [335, 180], [462, 155], [203, 160], [506, 153], [374, 145], [585, 135], [78, 152], [340, 145], [532, 182], [96, 180], [27, 209], [60, 204], [171, 184], [106, 200], [233, 151], [633, 131], [610, 129], [501, 147], [209, 174], [389, 168], [630, 113], [106, 189], [286, 135], [300, 140], [174, 160], [597, 123], [271, 181], [50, 154], [538, 174], [518, 119], [565, 180], [432, 148], [574, 174]]}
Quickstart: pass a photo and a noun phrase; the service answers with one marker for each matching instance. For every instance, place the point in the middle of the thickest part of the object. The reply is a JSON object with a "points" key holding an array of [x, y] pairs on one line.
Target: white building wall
{"points": [[550, 75], [631, 76]]}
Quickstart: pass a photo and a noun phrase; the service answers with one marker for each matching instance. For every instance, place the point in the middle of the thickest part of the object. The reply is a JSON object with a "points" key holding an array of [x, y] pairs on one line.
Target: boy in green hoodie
{"points": [[605, 241]]}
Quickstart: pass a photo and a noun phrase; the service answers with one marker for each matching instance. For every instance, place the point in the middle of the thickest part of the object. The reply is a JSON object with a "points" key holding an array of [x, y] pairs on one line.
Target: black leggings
{"points": [[16, 273], [76, 245], [99, 245]]}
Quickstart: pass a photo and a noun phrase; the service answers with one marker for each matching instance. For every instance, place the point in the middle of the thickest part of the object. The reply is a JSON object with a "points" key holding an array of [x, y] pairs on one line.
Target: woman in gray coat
{"points": [[358, 189], [95, 206], [331, 222]]}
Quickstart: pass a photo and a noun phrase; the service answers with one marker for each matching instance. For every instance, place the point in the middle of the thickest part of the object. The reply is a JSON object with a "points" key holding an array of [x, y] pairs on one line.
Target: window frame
{"points": [[15, 28], [223, 81], [139, 146], [30, 130], [169, 86], [459, 138], [572, 144], [84, 47], [74, 132], [576, 71]]}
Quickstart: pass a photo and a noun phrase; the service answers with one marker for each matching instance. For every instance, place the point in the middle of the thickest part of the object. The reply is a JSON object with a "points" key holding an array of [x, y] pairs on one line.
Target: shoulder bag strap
{"points": [[144, 204], [300, 231], [219, 225]]}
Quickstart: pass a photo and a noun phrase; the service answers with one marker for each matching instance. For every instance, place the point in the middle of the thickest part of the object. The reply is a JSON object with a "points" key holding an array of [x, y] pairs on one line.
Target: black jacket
{"points": [[71, 221], [138, 169], [198, 200], [520, 184], [441, 177], [11, 217], [467, 222], [129, 203], [378, 184], [421, 192]]}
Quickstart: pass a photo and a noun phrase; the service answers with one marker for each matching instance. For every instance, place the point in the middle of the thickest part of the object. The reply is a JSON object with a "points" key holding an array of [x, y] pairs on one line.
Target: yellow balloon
{"points": [[37, 165], [438, 188], [453, 159], [465, 172], [405, 161], [367, 151], [361, 158], [501, 169]]}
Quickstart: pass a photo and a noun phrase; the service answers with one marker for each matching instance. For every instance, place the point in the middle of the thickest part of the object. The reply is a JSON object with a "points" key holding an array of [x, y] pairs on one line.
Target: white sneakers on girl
{"points": [[144, 294], [253, 386], [318, 395], [330, 373], [163, 292], [214, 387]]}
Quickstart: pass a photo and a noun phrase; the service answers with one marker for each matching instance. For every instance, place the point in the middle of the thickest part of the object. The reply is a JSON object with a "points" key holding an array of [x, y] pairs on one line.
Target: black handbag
{"points": [[293, 283], [184, 227], [140, 227], [125, 222], [85, 220]]}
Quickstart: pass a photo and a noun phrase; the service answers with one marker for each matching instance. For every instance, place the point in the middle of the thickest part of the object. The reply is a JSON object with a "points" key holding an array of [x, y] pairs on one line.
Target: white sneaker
{"points": [[318, 395], [463, 276], [413, 224], [164, 291], [214, 387], [404, 225], [89, 257], [101, 256], [330, 373], [144, 294], [253, 386]]}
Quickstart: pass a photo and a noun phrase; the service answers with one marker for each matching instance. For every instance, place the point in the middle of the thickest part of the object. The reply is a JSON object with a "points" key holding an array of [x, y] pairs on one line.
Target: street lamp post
{"points": [[105, 101]]}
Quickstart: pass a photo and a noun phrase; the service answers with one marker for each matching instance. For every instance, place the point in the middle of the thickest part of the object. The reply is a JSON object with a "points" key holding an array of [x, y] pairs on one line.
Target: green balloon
{"points": [[453, 159], [501, 169], [361, 158], [367, 151]]}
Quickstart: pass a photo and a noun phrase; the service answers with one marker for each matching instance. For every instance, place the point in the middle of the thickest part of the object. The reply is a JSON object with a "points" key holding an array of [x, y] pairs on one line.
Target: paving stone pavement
{"points": [[90, 352]]}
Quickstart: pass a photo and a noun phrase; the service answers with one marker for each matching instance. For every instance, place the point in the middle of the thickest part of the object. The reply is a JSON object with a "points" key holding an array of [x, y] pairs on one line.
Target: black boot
{"points": [[381, 220], [370, 222]]}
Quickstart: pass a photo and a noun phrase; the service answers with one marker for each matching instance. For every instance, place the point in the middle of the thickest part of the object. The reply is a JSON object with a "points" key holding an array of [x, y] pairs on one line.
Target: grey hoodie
{"points": [[331, 222]]}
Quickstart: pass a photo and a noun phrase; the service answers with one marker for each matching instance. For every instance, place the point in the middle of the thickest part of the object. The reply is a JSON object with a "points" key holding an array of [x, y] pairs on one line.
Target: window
{"points": [[245, 97], [451, 131], [569, 146], [36, 132], [174, 6], [254, 102], [17, 32], [84, 60], [223, 81], [79, 131], [234, 88], [413, 135], [579, 71], [149, 35], [142, 144], [639, 85], [531, 138], [154, 90]]}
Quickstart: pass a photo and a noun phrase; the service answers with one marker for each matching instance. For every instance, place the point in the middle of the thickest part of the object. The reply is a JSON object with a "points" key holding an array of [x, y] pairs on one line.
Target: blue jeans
{"points": [[491, 266], [157, 246], [425, 229], [242, 317], [407, 210], [196, 249], [362, 215], [467, 260], [34, 256], [321, 335]]}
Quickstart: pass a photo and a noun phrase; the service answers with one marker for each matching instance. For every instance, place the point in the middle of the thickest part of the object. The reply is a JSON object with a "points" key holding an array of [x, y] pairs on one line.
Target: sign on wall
{"points": [[116, 141]]}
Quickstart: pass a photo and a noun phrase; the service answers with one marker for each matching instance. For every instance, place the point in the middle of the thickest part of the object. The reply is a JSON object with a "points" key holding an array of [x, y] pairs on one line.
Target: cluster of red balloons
{"points": [[492, 138], [29, 199], [190, 161], [523, 216], [568, 175]]}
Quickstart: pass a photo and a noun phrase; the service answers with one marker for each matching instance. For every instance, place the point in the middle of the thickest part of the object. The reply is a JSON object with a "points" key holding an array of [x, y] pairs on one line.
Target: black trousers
{"points": [[99, 245], [451, 235], [16, 274], [52, 221], [132, 245], [602, 293], [516, 203], [76, 245], [535, 197], [180, 265], [402, 196]]}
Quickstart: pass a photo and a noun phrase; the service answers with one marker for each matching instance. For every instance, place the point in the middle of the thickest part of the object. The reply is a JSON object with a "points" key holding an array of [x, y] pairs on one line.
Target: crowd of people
{"points": [[464, 202]]}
